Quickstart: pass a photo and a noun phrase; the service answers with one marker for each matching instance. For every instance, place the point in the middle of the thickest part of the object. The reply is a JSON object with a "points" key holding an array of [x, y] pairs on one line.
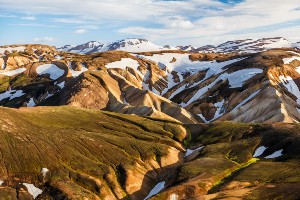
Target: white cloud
{"points": [[36, 25], [198, 20], [250, 18], [81, 31], [44, 39], [93, 27], [7, 16], [110, 10], [29, 17], [68, 20]]}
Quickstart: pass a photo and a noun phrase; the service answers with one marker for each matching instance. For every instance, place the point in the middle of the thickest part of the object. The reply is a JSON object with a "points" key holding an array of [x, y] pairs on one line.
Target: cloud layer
{"points": [[198, 21]]}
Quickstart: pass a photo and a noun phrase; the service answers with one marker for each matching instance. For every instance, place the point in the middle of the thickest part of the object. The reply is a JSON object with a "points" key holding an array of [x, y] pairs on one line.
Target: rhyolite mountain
{"points": [[131, 119], [172, 84]]}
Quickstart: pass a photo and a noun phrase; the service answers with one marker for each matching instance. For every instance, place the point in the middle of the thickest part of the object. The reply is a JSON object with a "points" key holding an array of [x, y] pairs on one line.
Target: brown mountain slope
{"points": [[100, 88], [189, 87]]}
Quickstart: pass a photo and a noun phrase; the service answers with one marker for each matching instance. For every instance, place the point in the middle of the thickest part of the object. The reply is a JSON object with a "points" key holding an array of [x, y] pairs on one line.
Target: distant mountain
{"points": [[129, 45], [253, 46], [243, 46], [65, 48], [187, 48], [134, 45], [89, 47], [143, 45], [296, 45], [190, 48]]}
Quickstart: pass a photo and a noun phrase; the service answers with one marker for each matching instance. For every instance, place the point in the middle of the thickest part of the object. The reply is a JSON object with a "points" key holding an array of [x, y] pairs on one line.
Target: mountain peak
{"points": [[129, 45]]}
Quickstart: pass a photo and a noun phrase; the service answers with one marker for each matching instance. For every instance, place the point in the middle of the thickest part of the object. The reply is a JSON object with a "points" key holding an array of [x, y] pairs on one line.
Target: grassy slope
{"points": [[86, 151], [225, 167]]}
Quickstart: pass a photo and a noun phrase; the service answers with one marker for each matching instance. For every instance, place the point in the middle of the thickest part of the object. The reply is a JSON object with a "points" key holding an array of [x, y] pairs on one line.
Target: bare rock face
{"points": [[15, 62]]}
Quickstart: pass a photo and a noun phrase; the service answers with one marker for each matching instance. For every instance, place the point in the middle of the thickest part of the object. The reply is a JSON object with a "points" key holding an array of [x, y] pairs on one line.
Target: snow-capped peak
{"points": [[133, 45], [143, 45], [253, 45], [130, 45], [65, 48]]}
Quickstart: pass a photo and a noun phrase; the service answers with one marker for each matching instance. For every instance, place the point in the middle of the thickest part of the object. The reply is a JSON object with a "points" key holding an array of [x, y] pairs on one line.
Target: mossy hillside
{"points": [[222, 132], [31, 87], [4, 83], [80, 147], [228, 177], [225, 164]]}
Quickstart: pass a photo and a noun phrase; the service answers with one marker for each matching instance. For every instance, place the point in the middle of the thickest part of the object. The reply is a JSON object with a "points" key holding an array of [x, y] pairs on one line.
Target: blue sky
{"points": [[196, 22]]}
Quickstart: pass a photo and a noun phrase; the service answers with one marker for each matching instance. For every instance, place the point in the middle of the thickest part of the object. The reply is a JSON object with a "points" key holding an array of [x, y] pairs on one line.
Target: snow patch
{"points": [[31, 103], [77, 73], [44, 171], [146, 78], [259, 151], [159, 187], [220, 109], [273, 43], [190, 151], [61, 85], [291, 86], [289, 60], [58, 57], [3, 65], [237, 78], [49, 95], [14, 72], [10, 49], [182, 64], [275, 154], [125, 62], [11, 94], [298, 69], [50, 69], [125, 102], [200, 93], [34, 191], [173, 197]]}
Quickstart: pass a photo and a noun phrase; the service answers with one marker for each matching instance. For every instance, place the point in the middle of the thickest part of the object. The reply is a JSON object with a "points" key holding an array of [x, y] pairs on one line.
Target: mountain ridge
{"points": [[143, 45]]}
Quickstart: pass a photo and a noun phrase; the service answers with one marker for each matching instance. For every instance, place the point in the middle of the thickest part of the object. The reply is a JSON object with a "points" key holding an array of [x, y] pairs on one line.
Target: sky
{"points": [[164, 22]]}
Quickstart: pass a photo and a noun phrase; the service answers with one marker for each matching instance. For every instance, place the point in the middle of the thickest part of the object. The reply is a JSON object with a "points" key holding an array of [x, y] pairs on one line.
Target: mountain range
{"points": [[135, 120], [143, 45]]}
